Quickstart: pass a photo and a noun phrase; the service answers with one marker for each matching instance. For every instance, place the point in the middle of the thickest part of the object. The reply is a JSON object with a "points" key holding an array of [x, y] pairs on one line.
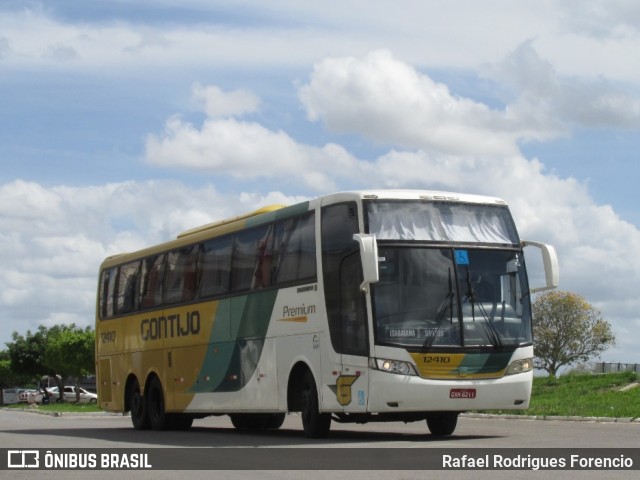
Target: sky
{"points": [[124, 123]]}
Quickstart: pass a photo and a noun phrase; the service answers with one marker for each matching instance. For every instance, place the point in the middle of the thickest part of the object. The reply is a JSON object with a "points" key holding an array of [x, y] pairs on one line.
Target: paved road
{"points": [[30, 430]]}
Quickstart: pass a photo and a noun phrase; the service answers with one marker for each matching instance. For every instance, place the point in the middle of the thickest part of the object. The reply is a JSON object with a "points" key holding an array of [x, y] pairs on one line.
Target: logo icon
{"points": [[23, 459]]}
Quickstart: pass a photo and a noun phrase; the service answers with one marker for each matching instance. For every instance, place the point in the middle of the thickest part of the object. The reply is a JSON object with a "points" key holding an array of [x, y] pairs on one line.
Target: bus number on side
{"points": [[108, 337]]}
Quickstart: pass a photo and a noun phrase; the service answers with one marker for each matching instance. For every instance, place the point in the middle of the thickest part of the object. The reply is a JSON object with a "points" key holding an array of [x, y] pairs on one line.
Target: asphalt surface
{"points": [[396, 441]]}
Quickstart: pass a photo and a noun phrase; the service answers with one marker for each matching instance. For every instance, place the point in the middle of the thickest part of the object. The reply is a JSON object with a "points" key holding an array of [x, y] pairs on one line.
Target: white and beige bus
{"points": [[363, 306]]}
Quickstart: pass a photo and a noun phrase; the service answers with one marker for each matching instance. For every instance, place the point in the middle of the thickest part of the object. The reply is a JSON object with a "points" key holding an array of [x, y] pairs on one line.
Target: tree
{"points": [[26, 353], [566, 330], [59, 352], [70, 352], [9, 378]]}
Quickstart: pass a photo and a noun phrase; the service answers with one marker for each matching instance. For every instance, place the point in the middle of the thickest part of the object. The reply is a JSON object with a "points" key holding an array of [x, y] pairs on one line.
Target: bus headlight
{"points": [[394, 366], [520, 366]]}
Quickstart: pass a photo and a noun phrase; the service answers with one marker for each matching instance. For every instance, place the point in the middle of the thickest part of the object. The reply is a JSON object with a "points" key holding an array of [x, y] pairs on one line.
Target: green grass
{"points": [[584, 395], [60, 407]]}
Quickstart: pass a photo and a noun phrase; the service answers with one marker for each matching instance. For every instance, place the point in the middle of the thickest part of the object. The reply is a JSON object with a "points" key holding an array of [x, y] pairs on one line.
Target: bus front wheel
{"points": [[441, 424], [314, 423]]}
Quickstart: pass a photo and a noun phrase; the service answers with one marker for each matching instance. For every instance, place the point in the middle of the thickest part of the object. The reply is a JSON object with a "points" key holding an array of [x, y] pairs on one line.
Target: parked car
{"points": [[69, 395], [24, 395]]}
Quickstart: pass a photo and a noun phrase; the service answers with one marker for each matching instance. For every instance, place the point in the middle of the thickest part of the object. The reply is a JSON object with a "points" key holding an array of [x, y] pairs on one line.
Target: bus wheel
{"points": [[139, 416], [155, 405], [442, 424], [242, 421], [275, 421], [314, 423]]}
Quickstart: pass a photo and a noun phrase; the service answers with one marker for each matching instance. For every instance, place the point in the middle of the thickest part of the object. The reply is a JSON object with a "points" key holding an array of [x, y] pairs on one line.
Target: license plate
{"points": [[462, 393]]}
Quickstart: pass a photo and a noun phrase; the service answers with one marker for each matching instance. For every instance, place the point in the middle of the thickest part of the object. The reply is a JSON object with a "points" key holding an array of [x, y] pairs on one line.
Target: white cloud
{"points": [[463, 35], [602, 18], [548, 104], [228, 146], [388, 101], [243, 149], [217, 103]]}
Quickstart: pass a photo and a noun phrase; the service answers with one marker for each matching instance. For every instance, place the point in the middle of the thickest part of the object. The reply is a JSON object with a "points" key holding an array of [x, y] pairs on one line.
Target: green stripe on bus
{"points": [[485, 362], [236, 342]]}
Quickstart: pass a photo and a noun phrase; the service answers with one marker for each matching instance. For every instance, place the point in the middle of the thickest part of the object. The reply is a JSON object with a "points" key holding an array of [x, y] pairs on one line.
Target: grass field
{"points": [[583, 395], [60, 407], [586, 396]]}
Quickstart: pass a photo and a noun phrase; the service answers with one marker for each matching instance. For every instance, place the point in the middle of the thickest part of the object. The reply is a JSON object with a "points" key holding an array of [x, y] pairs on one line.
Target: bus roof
{"points": [[391, 194], [220, 223]]}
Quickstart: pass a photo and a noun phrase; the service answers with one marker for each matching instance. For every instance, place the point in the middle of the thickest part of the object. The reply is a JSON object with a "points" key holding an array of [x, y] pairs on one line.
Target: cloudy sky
{"points": [[123, 123]]}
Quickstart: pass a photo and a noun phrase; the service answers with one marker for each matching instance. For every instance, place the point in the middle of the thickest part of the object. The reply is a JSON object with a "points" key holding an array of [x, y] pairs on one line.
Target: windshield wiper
{"points": [[490, 329], [446, 304]]}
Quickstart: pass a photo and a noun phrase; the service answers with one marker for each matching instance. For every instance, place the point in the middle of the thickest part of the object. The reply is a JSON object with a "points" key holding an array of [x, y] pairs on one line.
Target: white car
{"points": [[25, 394], [69, 395]]}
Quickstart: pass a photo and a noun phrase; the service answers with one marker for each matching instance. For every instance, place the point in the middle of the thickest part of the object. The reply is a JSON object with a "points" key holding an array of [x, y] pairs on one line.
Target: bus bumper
{"points": [[389, 392]]}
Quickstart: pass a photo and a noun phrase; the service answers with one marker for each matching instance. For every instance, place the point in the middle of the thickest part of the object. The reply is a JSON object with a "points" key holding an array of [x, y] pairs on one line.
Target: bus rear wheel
{"points": [[314, 423], [139, 416], [442, 424], [155, 405]]}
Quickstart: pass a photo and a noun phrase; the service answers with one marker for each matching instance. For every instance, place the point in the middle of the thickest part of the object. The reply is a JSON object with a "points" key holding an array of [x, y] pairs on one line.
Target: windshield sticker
{"points": [[415, 332], [462, 257]]}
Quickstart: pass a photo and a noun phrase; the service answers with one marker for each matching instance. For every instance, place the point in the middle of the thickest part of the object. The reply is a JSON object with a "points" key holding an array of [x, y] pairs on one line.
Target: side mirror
{"points": [[369, 257], [550, 263]]}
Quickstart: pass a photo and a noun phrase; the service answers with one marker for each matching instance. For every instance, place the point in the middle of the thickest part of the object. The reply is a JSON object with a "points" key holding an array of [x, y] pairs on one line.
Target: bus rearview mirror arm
{"points": [[550, 262], [369, 256]]}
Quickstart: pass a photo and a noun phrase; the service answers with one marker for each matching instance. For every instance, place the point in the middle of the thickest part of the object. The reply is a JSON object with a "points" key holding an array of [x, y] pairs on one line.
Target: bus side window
{"points": [[267, 254], [296, 250], [151, 284], [127, 287], [107, 287], [181, 275], [215, 267], [246, 259]]}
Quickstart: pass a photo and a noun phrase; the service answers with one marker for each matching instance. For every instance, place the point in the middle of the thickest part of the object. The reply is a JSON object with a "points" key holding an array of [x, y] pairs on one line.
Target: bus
{"points": [[365, 306]]}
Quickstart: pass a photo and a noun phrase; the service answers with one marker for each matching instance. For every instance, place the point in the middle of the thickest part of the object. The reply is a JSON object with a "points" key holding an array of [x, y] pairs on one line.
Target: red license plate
{"points": [[462, 393]]}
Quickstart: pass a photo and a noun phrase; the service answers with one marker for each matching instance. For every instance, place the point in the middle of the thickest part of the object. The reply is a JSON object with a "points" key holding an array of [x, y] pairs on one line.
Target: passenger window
{"points": [[296, 250], [107, 288], [127, 287], [151, 285], [215, 267], [250, 250], [181, 275]]}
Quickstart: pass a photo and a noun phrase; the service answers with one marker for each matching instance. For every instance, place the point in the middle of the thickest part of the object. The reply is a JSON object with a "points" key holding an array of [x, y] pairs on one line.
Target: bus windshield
{"points": [[435, 297], [441, 222]]}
